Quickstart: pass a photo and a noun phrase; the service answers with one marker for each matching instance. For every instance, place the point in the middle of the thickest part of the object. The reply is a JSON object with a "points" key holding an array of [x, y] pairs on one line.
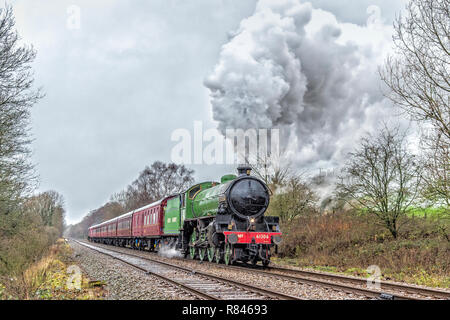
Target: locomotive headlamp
{"points": [[252, 220]]}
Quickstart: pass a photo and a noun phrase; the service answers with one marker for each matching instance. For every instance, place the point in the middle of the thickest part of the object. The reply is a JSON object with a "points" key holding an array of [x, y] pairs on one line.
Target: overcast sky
{"points": [[118, 86]]}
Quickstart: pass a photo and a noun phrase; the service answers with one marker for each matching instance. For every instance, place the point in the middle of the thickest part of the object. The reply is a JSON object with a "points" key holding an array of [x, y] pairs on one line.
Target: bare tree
{"points": [[155, 182], [295, 198], [418, 75], [381, 178], [274, 171], [16, 99], [436, 164], [49, 206]]}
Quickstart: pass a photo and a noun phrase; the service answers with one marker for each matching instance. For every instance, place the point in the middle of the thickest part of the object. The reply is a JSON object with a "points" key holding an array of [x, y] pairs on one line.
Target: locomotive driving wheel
{"points": [[228, 254], [211, 253], [218, 255], [202, 253], [192, 248]]}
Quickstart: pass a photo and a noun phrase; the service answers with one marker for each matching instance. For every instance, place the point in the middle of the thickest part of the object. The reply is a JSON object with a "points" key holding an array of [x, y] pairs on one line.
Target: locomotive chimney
{"points": [[244, 170]]}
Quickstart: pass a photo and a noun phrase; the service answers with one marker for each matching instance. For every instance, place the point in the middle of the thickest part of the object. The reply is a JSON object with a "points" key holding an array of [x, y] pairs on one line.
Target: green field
{"points": [[441, 212]]}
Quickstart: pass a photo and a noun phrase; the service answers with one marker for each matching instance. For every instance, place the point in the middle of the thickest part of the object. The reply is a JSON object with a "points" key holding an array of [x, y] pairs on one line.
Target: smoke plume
{"points": [[296, 68]]}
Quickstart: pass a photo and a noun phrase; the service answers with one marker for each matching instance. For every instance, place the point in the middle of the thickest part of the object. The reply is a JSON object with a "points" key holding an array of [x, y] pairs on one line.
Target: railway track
{"points": [[379, 290], [386, 291], [352, 285], [331, 284], [387, 288], [202, 285]]}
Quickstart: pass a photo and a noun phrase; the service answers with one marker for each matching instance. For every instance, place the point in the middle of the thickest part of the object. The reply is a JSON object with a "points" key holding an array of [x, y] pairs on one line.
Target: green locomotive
{"points": [[223, 221]]}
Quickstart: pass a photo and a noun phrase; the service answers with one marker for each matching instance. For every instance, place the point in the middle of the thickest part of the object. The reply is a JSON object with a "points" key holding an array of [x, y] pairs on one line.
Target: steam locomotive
{"points": [[221, 222]]}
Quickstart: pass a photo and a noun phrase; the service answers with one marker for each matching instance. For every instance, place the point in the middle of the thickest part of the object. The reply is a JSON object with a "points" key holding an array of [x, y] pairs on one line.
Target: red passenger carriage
{"points": [[148, 221], [140, 228]]}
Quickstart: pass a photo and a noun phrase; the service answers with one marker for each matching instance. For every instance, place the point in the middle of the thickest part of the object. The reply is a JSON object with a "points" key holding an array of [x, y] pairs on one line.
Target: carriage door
{"points": [[141, 223]]}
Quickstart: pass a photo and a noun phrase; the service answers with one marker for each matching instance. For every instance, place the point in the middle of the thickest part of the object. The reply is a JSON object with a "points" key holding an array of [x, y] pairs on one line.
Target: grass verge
{"points": [[348, 243], [54, 277]]}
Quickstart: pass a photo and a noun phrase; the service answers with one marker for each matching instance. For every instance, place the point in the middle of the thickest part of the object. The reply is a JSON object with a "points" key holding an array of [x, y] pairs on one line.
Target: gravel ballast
{"points": [[304, 291], [123, 282]]}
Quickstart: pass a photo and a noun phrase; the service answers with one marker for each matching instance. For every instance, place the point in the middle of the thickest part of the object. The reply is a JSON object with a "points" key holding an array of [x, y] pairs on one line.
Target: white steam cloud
{"points": [[169, 252], [297, 68]]}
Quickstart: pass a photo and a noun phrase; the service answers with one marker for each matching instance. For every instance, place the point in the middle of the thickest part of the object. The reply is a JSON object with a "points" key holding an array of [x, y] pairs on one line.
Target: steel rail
{"points": [[342, 287], [251, 288], [148, 272], [383, 284], [330, 285]]}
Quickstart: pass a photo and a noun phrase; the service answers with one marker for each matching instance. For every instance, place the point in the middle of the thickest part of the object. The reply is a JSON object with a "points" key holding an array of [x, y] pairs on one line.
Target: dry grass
{"points": [[49, 278]]}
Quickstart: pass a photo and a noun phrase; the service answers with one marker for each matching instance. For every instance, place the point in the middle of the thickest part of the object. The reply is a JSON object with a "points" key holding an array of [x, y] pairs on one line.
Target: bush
{"points": [[24, 240]]}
